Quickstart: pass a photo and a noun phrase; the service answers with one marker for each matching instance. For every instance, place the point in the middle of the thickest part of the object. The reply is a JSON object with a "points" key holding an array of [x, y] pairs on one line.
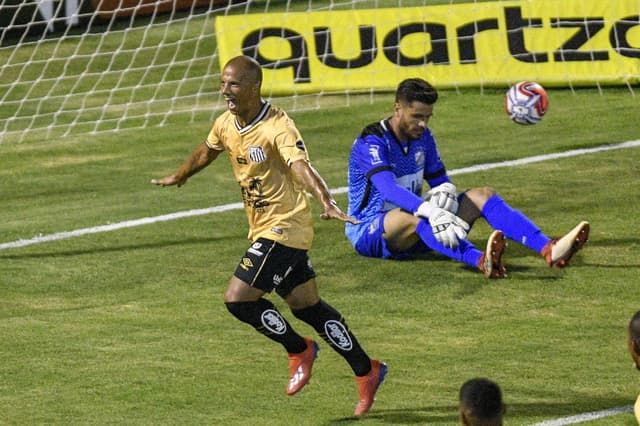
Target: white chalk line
{"points": [[235, 206], [586, 417]]}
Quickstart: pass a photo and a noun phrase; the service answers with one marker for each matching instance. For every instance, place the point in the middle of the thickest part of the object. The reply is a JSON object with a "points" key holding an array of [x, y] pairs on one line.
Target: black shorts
{"points": [[269, 265]]}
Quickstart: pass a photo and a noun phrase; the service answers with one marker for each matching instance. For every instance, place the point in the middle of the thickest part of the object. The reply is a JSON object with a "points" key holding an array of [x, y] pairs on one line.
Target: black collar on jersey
{"points": [[387, 127], [261, 114]]}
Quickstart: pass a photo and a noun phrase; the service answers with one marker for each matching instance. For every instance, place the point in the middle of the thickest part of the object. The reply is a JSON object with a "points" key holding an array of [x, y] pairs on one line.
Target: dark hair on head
{"points": [[634, 327], [482, 398], [416, 89]]}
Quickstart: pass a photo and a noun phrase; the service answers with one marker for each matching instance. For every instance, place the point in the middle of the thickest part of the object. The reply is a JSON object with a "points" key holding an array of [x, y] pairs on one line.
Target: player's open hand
{"points": [[332, 211], [169, 181]]}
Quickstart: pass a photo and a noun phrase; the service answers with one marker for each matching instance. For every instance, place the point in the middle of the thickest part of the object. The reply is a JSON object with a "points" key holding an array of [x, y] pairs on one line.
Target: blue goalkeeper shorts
{"points": [[373, 244]]}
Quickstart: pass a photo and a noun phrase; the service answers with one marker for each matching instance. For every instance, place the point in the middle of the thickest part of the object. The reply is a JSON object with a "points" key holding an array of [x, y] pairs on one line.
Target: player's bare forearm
{"points": [[201, 157], [316, 185], [312, 182]]}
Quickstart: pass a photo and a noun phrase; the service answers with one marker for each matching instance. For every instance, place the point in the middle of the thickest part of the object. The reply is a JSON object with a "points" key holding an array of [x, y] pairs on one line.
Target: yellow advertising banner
{"points": [[557, 43]]}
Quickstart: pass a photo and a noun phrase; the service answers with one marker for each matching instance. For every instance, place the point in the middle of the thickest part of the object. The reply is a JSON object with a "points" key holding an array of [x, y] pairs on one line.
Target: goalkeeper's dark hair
{"points": [[416, 89]]}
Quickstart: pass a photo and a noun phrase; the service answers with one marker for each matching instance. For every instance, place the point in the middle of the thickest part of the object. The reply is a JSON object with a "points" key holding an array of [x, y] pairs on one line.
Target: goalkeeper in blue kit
{"points": [[388, 164]]}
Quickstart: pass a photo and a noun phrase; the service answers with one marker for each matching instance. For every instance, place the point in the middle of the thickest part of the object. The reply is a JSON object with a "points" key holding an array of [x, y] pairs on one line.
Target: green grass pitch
{"points": [[128, 327]]}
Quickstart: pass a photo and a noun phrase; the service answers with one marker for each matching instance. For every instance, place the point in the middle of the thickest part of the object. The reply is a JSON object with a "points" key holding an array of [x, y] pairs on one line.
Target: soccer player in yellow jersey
{"points": [[271, 164], [634, 351]]}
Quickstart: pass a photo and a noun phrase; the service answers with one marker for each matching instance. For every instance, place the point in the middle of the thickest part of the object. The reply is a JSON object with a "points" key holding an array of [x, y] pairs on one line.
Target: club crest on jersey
{"points": [[272, 321], [257, 154], [419, 158], [338, 334]]}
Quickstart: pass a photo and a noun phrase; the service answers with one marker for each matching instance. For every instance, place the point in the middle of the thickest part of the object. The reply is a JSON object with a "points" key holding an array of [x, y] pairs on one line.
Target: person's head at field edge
{"points": [[240, 84], [634, 339], [481, 403], [413, 108]]}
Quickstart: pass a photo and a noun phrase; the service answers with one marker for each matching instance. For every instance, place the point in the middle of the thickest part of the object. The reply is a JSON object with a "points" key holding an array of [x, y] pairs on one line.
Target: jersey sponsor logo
{"points": [[374, 152], [338, 334], [277, 231], [253, 196], [257, 154], [412, 182], [246, 263], [272, 321]]}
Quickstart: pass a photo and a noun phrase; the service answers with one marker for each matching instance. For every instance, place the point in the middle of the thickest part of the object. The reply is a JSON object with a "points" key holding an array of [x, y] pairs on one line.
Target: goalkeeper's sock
{"points": [[513, 224], [466, 252], [265, 318], [330, 325]]}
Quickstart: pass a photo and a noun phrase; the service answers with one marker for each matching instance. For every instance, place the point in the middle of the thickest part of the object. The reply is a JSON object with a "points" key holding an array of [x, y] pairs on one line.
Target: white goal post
{"points": [[87, 66]]}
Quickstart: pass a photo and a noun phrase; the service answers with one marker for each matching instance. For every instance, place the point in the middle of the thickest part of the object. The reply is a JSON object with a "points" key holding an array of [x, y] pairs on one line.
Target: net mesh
{"points": [[73, 67]]}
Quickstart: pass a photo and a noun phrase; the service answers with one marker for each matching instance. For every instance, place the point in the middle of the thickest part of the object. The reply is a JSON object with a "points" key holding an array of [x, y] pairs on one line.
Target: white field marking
{"points": [[235, 206], [119, 225], [586, 417]]}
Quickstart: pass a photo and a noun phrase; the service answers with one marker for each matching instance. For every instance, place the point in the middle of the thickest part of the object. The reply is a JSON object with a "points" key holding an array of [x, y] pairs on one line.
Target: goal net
{"points": [[88, 66]]}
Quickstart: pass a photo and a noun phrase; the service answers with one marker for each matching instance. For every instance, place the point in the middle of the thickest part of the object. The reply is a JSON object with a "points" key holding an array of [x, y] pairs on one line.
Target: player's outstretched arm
{"points": [[201, 158], [315, 184]]}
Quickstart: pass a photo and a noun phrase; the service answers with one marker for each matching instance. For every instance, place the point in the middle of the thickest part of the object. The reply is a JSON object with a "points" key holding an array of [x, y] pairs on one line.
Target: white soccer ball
{"points": [[526, 102]]}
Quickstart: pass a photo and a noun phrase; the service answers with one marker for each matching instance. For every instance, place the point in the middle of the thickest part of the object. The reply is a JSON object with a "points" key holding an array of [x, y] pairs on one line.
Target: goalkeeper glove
{"points": [[447, 228], [444, 196]]}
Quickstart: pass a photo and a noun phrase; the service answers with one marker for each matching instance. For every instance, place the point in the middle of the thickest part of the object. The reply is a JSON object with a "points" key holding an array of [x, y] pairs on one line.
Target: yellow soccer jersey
{"points": [[261, 154]]}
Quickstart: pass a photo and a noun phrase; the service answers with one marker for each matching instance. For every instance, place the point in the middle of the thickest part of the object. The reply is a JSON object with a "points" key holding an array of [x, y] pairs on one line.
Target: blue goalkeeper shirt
{"points": [[401, 168]]}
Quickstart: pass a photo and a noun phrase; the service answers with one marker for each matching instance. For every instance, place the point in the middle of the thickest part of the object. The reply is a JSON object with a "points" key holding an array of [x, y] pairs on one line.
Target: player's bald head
{"points": [[246, 68]]}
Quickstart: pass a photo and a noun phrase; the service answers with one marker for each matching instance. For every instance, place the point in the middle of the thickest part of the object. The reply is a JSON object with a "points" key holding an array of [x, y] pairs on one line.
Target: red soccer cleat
{"points": [[490, 262], [368, 386], [559, 251], [300, 367]]}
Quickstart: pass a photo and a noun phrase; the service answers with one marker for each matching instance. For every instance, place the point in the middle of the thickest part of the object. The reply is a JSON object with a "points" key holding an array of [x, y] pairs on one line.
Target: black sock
{"points": [[265, 318], [334, 330]]}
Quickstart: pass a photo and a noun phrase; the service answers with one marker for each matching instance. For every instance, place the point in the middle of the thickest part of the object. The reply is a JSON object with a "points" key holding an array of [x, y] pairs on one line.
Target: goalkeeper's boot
{"points": [[300, 367], [368, 386], [559, 251], [490, 262]]}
